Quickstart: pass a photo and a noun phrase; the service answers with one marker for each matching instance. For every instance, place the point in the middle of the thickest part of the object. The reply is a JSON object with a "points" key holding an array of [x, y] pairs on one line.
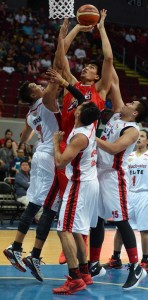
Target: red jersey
{"points": [[68, 119]]}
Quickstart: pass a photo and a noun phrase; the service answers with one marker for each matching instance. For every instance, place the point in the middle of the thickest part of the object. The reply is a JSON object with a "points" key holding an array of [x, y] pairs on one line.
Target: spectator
{"points": [[8, 134], [7, 154], [22, 181], [80, 52]]}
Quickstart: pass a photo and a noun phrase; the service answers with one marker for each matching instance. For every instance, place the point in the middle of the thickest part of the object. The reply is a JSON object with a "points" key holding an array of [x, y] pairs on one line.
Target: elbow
{"points": [[59, 165], [109, 59]]}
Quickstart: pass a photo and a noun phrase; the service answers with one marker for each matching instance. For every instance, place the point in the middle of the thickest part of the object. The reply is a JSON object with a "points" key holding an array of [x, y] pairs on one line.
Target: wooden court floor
{"points": [[15, 285]]}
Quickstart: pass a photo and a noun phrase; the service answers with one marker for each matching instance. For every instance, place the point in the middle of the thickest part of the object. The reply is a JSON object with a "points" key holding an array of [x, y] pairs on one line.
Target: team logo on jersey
{"points": [[35, 114], [88, 96]]}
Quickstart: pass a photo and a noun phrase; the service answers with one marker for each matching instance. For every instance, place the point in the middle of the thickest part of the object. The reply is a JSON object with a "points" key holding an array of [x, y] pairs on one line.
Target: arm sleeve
{"points": [[76, 93]]}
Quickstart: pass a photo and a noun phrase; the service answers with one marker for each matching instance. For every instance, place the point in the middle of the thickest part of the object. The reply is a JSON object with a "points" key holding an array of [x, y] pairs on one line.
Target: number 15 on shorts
{"points": [[115, 214]]}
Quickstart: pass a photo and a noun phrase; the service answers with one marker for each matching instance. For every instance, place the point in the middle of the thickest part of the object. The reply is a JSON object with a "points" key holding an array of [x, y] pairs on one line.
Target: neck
{"points": [[86, 82], [140, 151], [127, 119], [78, 124]]}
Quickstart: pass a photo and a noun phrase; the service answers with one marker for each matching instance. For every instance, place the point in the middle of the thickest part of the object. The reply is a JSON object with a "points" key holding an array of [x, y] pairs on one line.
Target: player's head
{"points": [[87, 113], [136, 111], [89, 73], [30, 92], [142, 142]]}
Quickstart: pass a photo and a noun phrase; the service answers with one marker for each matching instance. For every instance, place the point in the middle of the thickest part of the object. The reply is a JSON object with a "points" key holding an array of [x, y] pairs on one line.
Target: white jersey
{"points": [[83, 167], [113, 130], [44, 122], [138, 171]]}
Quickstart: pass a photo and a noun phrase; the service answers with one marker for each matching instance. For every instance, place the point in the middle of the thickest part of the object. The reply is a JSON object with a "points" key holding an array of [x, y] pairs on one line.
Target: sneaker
{"points": [[96, 270], [34, 265], [87, 278], [62, 258], [70, 286], [15, 257], [136, 274], [144, 264], [113, 264]]}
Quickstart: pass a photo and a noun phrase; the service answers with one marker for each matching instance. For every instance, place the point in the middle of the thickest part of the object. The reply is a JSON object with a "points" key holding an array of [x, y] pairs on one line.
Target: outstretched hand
{"points": [[54, 76], [103, 14], [85, 28], [64, 29]]}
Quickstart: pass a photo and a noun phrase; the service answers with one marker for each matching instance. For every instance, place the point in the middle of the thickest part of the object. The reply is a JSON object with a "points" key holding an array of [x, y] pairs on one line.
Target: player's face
{"points": [[129, 109], [142, 140], [89, 73], [36, 90]]}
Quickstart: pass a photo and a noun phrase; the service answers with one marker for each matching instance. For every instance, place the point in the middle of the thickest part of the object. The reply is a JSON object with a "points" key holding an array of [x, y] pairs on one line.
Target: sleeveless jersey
{"points": [[44, 122], [83, 167], [69, 105], [113, 130], [138, 172]]}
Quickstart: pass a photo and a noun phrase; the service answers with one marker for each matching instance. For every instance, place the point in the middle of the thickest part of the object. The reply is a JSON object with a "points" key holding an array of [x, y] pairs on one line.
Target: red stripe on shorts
{"points": [[51, 196], [71, 206], [123, 193]]}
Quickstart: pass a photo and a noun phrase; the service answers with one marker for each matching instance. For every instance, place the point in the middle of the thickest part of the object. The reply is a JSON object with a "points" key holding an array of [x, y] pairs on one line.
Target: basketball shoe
{"points": [[96, 269], [34, 265], [113, 264], [70, 286], [15, 257], [87, 278], [144, 264], [136, 275]]}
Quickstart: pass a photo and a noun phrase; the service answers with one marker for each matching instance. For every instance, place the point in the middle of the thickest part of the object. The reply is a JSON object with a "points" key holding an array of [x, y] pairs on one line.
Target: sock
{"points": [[145, 257], [17, 246], [94, 254], [36, 252], [116, 255], [83, 268], [132, 255], [74, 273]]}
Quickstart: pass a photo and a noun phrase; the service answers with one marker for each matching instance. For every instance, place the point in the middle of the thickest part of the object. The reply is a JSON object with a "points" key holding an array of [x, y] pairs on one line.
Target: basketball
{"points": [[88, 15]]}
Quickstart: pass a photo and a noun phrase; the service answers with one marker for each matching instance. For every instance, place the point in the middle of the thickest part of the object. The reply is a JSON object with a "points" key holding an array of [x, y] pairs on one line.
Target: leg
{"points": [[136, 273], [32, 261], [115, 261], [14, 251], [96, 241]]}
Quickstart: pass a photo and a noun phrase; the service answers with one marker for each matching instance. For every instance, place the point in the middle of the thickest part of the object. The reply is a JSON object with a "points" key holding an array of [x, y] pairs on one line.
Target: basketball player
{"points": [[44, 118], [93, 88], [116, 144], [80, 200], [138, 201]]}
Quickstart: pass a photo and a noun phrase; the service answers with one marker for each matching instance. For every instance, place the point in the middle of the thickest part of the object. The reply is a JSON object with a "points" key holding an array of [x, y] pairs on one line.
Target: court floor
{"points": [[22, 286]]}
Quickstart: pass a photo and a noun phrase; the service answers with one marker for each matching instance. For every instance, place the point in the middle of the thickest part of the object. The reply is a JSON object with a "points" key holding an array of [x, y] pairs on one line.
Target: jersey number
{"points": [[39, 129], [115, 214]]}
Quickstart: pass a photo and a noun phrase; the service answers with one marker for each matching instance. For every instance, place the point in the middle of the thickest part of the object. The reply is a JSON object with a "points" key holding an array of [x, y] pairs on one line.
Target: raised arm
{"points": [[114, 93], [50, 93], [104, 84]]}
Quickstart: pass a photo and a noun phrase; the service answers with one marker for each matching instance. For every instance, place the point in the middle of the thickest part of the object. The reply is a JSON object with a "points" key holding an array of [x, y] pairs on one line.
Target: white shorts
{"points": [[43, 181], [138, 210], [79, 209], [113, 194]]}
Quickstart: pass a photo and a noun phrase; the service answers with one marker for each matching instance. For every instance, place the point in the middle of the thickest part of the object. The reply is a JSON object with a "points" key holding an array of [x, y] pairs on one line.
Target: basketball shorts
{"points": [[43, 181], [79, 209], [138, 210], [113, 194]]}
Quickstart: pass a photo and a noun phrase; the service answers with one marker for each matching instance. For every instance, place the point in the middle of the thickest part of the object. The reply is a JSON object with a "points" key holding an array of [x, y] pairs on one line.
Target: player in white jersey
{"points": [[79, 207], [138, 201], [43, 118], [116, 143]]}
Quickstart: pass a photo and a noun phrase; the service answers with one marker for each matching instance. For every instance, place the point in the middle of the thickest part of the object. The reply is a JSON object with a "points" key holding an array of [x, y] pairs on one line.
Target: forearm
{"points": [[70, 37], [107, 146], [59, 59], [106, 47], [75, 92]]}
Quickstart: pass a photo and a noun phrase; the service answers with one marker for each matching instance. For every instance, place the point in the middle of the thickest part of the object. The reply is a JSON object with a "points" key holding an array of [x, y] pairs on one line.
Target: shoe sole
{"points": [[29, 265], [13, 262], [144, 274], [110, 268], [70, 292], [100, 274]]}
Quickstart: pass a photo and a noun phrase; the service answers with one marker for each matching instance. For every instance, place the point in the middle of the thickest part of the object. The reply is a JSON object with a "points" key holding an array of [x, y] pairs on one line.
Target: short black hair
{"points": [[145, 132], [142, 109], [89, 113], [24, 92], [24, 161], [8, 130]]}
